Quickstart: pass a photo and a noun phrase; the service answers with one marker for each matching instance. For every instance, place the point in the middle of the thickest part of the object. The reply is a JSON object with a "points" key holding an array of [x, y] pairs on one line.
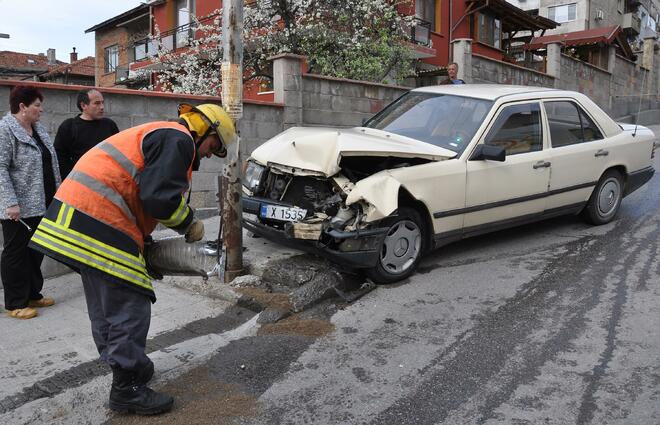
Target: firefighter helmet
{"points": [[207, 119]]}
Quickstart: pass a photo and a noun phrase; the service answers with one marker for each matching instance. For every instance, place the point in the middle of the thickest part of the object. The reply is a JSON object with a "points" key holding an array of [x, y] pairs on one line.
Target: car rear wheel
{"points": [[605, 200], [401, 249]]}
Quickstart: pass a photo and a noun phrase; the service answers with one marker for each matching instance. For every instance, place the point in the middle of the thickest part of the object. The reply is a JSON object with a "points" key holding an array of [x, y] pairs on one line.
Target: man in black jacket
{"points": [[76, 136]]}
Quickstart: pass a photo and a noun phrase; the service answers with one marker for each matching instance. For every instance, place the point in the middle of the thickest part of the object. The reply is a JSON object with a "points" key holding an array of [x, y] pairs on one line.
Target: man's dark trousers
{"points": [[120, 320]]}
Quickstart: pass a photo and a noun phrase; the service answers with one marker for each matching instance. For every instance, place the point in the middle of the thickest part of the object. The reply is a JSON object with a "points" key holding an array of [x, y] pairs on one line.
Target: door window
{"points": [[569, 124], [517, 129]]}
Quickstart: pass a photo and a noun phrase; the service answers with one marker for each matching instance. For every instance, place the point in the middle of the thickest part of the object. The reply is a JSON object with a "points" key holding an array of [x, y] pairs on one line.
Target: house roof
{"points": [[513, 18], [25, 61], [605, 35], [84, 67], [126, 16]]}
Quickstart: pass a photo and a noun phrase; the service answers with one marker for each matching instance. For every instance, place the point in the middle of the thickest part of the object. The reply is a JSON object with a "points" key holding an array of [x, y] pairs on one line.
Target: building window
{"points": [[425, 10], [563, 13], [490, 30], [111, 58], [184, 21]]}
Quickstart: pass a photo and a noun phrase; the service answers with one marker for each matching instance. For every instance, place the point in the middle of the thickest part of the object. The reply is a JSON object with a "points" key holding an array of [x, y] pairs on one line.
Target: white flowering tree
{"points": [[357, 39], [195, 70]]}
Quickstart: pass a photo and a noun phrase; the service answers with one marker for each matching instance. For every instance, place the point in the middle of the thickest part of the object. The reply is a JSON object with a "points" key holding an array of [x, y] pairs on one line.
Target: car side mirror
{"points": [[488, 152]]}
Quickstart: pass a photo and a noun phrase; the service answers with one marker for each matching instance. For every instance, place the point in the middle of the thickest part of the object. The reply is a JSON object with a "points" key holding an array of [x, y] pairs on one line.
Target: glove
{"points": [[195, 232], [153, 273]]}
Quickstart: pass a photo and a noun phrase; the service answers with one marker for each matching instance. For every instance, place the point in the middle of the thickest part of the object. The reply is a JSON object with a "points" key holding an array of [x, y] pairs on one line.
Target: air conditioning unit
{"points": [[600, 15]]}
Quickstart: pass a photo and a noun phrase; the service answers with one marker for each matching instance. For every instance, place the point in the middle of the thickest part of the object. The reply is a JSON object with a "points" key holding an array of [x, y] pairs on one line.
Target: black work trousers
{"points": [[120, 320], [20, 266]]}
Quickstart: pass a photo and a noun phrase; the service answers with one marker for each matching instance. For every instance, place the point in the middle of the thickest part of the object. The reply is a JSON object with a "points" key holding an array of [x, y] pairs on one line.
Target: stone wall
{"points": [[618, 91], [314, 100], [129, 108], [585, 78], [335, 102], [486, 70]]}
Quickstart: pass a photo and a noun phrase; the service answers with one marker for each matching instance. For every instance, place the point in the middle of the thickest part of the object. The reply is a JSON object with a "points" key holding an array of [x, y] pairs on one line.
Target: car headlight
{"points": [[253, 175]]}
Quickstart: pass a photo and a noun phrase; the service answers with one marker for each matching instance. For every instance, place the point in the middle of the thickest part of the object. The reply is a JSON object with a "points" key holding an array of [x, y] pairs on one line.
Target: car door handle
{"points": [[541, 164], [601, 152]]}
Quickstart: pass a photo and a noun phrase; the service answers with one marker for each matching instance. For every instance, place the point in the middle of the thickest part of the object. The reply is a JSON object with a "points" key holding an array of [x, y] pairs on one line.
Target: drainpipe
{"points": [[232, 101], [451, 31]]}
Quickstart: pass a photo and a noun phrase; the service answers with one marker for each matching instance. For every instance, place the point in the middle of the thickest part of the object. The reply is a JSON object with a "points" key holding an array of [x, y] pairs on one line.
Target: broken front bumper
{"points": [[355, 249]]}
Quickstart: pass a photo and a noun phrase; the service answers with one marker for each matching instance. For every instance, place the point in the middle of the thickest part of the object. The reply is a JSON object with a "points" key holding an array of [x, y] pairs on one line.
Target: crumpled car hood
{"points": [[315, 150]]}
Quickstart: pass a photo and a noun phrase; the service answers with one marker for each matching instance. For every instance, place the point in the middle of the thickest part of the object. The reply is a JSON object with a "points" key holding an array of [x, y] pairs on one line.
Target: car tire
{"points": [[402, 247], [606, 199]]}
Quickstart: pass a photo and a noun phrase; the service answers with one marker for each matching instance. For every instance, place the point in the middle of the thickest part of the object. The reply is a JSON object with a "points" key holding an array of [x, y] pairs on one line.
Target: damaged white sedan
{"points": [[440, 164]]}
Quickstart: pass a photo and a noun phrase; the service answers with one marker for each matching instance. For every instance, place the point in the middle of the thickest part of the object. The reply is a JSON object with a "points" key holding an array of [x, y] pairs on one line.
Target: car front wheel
{"points": [[401, 249], [605, 200]]}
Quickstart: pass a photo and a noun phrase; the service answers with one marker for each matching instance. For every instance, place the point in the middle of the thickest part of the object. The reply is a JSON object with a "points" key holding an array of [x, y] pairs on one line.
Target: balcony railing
{"points": [[421, 32], [181, 36], [125, 75]]}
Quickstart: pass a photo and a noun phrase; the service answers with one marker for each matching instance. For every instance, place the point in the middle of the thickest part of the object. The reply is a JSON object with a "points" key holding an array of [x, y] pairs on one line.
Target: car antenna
{"points": [[639, 107]]}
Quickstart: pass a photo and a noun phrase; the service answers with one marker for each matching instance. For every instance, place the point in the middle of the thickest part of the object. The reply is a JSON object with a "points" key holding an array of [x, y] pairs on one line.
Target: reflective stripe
{"points": [[178, 216], [90, 259], [61, 213], [68, 215], [94, 245], [103, 190], [121, 159]]}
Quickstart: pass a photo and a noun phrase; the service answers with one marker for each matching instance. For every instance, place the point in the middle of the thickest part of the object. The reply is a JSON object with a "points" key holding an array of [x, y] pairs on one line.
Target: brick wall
{"points": [[106, 38]]}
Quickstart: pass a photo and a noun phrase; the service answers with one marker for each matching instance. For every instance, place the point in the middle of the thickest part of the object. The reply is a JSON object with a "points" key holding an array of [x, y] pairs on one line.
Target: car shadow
{"points": [[473, 249]]}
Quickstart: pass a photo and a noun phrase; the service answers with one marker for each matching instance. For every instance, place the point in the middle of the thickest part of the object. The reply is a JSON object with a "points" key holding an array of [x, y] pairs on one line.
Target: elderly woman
{"points": [[29, 176]]}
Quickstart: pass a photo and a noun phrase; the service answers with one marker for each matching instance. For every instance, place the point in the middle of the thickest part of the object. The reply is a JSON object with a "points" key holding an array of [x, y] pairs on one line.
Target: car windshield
{"points": [[442, 120]]}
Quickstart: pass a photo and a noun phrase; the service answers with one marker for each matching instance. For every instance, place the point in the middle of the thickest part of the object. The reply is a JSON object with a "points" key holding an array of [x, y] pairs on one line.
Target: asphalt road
{"points": [[555, 322]]}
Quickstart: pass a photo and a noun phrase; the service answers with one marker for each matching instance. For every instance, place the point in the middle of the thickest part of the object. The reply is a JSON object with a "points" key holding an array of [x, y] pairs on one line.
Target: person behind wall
{"points": [[452, 73], [29, 176], [99, 220], [77, 135]]}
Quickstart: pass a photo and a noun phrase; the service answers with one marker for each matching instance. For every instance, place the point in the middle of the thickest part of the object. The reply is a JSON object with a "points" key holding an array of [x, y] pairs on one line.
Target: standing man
{"points": [[452, 72], [75, 136], [98, 221]]}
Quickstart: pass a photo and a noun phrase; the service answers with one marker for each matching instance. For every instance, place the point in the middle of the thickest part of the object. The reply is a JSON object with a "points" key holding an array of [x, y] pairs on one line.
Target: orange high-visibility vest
{"points": [[103, 182], [97, 219]]}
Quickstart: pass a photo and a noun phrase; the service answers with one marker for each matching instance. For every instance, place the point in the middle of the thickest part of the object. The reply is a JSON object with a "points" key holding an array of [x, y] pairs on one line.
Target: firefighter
{"points": [[97, 224]]}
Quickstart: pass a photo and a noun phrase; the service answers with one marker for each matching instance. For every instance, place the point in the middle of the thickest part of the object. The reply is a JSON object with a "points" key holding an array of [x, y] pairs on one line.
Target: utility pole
{"points": [[232, 101]]}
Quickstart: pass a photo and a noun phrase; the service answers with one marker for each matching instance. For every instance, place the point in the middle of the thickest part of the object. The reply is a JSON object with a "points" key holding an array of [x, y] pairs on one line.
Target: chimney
{"points": [[50, 53], [74, 56]]}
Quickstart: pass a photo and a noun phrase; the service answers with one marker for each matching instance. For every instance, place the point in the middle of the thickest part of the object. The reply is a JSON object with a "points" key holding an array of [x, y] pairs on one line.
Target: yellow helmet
{"points": [[207, 119]]}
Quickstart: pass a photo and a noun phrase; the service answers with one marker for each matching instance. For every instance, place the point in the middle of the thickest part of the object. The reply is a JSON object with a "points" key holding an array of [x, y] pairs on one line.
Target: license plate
{"points": [[276, 212]]}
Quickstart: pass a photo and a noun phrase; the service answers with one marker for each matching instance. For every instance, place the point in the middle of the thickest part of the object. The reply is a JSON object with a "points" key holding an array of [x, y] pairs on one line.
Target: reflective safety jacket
{"points": [[115, 196]]}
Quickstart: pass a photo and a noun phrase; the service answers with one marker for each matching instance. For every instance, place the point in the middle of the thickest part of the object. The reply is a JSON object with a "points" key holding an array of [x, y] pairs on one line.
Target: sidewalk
{"points": [[49, 364]]}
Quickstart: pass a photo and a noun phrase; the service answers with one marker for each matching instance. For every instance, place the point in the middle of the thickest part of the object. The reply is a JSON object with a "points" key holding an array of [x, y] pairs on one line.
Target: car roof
{"points": [[487, 91]]}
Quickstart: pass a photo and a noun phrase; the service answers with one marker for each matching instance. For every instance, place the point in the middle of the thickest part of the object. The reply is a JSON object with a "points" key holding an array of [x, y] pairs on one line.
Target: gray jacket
{"points": [[21, 170]]}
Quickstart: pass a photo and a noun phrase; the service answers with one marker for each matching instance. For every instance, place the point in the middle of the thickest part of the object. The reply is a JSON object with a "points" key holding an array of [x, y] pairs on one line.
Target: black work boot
{"points": [[130, 396], [145, 373]]}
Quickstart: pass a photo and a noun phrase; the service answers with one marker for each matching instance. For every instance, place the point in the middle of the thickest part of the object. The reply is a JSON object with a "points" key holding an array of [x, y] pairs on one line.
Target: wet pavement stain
{"points": [[295, 326], [267, 299], [200, 399]]}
